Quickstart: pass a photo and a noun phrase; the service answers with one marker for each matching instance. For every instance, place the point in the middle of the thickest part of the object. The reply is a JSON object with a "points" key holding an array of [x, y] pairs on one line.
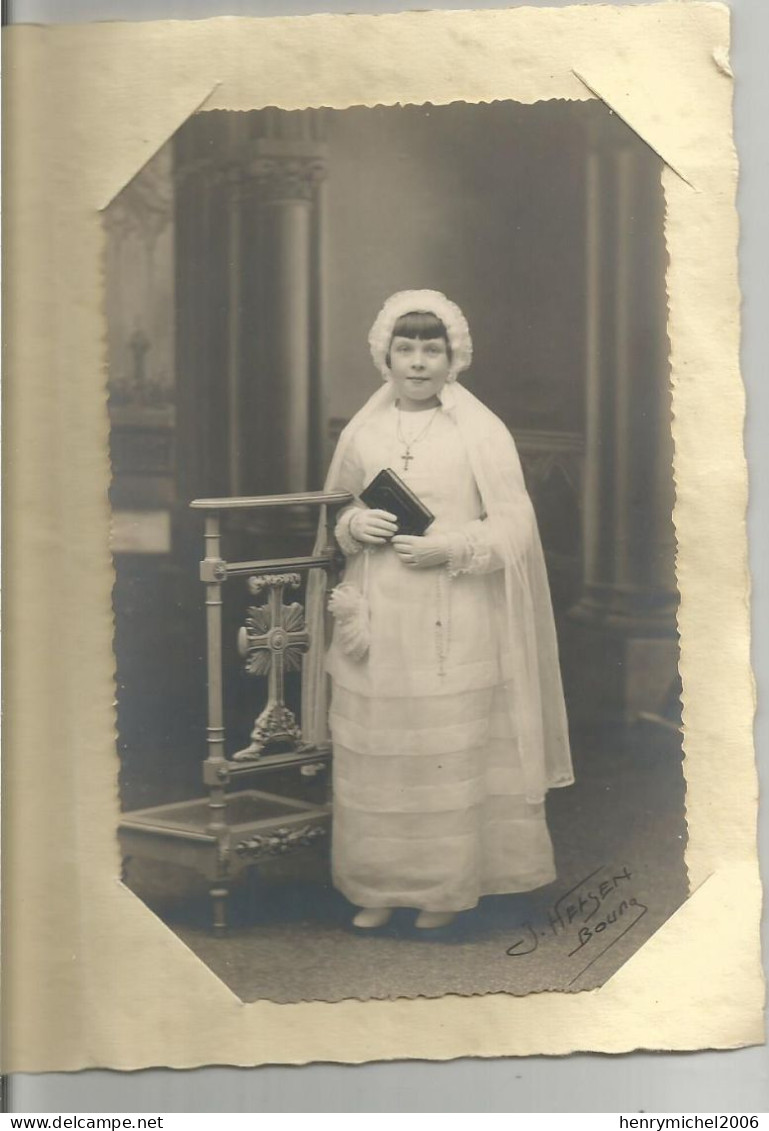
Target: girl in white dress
{"points": [[446, 715]]}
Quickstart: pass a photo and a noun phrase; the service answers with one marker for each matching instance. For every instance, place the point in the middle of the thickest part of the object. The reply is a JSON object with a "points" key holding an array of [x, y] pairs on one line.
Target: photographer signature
{"points": [[589, 918]]}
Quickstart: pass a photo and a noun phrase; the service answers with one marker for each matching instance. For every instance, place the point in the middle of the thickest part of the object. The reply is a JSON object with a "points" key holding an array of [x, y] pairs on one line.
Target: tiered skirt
{"points": [[429, 805]]}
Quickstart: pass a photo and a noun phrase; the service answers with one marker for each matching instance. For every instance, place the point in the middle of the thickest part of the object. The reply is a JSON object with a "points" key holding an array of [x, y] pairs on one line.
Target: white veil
{"points": [[530, 657]]}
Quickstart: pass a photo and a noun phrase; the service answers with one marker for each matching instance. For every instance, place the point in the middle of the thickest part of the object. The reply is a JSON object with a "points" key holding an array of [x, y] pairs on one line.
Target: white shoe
{"points": [[428, 920], [371, 917]]}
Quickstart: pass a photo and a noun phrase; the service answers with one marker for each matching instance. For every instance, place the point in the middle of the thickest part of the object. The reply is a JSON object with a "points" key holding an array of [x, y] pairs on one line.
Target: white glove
{"points": [[372, 526], [422, 553]]}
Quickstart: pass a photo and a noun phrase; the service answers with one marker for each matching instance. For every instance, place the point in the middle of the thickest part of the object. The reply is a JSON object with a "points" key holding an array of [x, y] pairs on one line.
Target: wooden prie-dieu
{"points": [[234, 826]]}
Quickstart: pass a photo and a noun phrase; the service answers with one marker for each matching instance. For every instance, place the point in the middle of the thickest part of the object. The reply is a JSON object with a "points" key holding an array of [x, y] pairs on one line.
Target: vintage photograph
{"points": [[398, 700]]}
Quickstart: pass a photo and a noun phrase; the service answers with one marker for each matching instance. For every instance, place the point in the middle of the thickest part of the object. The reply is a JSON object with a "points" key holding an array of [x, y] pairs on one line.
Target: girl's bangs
{"points": [[422, 324]]}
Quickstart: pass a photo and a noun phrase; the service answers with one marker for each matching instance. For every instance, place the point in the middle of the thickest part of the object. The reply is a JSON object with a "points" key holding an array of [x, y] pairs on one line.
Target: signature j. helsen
{"points": [[589, 918]]}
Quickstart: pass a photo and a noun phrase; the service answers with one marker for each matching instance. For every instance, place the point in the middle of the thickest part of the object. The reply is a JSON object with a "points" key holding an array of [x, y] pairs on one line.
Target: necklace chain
{"points": [[408, 444]]}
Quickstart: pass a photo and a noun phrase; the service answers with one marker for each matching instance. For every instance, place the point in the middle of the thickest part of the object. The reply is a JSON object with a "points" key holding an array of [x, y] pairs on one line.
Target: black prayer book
{"points": [[388, 492]]}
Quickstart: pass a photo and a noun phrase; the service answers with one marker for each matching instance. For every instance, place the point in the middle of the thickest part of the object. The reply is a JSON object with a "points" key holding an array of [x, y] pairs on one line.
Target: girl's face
{"points": [[419, 370]]}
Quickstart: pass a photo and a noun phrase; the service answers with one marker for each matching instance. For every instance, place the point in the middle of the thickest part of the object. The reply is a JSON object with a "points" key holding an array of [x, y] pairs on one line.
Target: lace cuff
{"points": [[481, 559], [470, 551], [459, 554], [346, 542]]}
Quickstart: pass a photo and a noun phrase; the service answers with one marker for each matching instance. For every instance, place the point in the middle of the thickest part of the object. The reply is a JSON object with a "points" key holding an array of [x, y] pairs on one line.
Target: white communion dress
{"points": [[430, 804]]}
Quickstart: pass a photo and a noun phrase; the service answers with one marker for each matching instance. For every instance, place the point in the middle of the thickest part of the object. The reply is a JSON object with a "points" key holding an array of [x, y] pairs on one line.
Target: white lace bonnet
{"points": [[426, 302]]}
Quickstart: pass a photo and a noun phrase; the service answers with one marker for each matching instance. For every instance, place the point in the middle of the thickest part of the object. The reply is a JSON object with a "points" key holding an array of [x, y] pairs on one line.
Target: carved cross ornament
{"points": [[272, 642]]}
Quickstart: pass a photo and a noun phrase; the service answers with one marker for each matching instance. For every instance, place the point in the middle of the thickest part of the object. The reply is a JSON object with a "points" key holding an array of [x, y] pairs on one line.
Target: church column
{"points": [[247, 264], [280, 179], [627, 609]]}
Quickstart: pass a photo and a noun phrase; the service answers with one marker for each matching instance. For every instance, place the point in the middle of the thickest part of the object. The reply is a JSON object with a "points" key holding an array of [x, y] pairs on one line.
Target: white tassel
{"points": [[350, 609]]}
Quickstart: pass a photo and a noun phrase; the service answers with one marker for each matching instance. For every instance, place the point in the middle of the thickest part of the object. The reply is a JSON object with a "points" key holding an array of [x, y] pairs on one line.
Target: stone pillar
{"points": [[627, 639], [248, 266], [281, 177]]}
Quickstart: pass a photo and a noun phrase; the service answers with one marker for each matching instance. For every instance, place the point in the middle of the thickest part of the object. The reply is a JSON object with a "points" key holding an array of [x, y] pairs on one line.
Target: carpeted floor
{"points": [[619, 834]]}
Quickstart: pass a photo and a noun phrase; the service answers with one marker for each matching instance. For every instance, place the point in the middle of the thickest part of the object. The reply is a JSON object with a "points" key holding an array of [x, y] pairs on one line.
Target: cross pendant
{"points": [[407, 458]]}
